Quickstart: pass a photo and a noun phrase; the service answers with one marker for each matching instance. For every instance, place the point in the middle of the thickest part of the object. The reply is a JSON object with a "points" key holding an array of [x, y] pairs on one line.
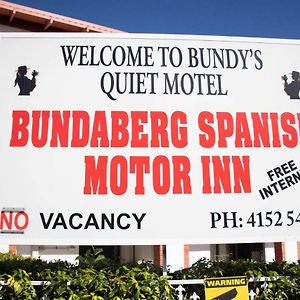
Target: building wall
{"points": [[178, 256], [4, 248], [5, 28], [136, 253], [49, 253], [199, 251]]}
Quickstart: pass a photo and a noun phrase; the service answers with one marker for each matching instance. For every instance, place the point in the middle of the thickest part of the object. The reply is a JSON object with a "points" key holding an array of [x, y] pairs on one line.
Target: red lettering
{"points": [[206, 186], [10, 220], [81, 125], [19, 133], [40, 131], [119, 125], [95, 175], [138, 139], [206, 140], [260, 129], [178, 133], [242, 135], [225, 128], [275, 131], [221, 172], [223, 175], [241, 174], [161, 175], [99, 130], [181, 169], [159, 123], [118, 175], [290, 139], [21, 215], [60, 128], [6, 220], [139, 165]]}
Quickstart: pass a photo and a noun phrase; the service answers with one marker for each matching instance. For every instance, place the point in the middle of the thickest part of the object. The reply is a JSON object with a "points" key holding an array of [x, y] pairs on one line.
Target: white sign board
{"points": [[148, 139]]}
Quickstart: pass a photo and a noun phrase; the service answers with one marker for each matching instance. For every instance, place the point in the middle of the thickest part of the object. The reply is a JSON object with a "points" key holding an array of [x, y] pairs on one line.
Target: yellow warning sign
{"points": [[226, 288]]}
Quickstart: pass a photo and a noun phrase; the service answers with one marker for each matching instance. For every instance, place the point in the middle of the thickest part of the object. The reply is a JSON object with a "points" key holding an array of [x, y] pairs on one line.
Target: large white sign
{"points": [[148, 139]]}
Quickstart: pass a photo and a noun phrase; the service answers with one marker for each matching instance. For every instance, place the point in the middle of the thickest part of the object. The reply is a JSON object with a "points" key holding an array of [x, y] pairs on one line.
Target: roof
{"points": [[31, 19]]}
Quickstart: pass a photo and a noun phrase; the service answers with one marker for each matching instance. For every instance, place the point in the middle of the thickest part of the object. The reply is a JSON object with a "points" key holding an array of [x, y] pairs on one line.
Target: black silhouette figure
{"points": [[25, 84], [293, 88]]}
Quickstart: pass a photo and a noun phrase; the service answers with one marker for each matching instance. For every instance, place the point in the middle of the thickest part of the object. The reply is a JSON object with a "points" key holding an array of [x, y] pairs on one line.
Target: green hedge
{"points": [[287, 285], [93, 279], [98, 278]]}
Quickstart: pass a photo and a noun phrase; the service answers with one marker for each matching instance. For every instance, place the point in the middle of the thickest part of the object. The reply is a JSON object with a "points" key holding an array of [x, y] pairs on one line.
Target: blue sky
{"points": [[259, 18]]}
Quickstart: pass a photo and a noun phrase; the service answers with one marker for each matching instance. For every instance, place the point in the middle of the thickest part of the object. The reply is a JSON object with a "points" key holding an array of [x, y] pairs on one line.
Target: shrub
{"points": [[286, 285], [86, 281], [97, 278]]}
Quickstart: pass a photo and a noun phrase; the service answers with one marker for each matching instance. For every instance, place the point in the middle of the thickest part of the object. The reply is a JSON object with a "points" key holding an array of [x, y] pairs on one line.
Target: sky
{"points": [[251, 18]]}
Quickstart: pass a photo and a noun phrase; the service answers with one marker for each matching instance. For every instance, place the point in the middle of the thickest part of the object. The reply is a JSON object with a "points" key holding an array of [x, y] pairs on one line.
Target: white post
{"points": [[269, 252], [291, 252]]}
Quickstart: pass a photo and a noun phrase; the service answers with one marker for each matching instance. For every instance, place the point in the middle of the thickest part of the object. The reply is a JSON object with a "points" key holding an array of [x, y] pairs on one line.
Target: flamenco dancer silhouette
{"points": [[25, 84]]}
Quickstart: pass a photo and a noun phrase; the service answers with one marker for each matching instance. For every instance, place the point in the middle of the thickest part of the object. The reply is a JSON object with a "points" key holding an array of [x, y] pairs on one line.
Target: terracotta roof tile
{"points": [[47, 20]]}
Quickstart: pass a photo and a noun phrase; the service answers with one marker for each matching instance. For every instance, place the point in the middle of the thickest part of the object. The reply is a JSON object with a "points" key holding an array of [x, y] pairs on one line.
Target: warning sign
{"points": [[226, 288]]}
